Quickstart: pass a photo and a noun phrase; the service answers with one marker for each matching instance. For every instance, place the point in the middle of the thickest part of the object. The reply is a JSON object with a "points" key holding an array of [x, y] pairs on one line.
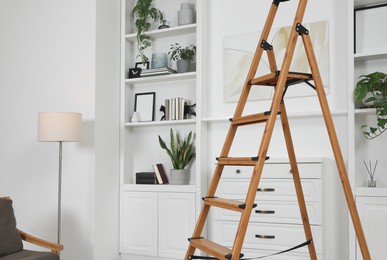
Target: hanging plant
{"points": [[145, 14], [372, 89]]}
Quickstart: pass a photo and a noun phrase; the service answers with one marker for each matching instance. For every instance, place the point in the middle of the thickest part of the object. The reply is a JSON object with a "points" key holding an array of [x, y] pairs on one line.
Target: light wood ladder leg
{"points": [[336, 147], [297, 181]]}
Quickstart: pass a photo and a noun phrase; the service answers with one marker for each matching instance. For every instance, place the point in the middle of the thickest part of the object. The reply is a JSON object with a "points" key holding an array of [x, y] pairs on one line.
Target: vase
{"points": [[179, 177], [135, 117], [159, 60], [163, 25], [183, 66], [186, 14], [372, 183]]}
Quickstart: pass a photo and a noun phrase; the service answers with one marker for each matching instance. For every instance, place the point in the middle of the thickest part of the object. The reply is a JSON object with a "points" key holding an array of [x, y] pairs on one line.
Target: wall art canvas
{"points": [[239, 51]]}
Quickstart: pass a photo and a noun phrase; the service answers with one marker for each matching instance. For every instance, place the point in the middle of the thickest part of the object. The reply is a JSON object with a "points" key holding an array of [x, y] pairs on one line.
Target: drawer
{"points": [[274, 171], [277, 237], [278, 189], [275, 212], [250, 253]]}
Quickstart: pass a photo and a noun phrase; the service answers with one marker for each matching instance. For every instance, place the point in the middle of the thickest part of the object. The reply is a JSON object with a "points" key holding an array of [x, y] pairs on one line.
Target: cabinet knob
{"points": [[290, 171], [237, 171], [265, 236]]}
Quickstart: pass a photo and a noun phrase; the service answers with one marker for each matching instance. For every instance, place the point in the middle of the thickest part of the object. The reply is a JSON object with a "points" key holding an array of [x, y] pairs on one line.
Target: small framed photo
{"points": [[144, 104], [141, 65]]}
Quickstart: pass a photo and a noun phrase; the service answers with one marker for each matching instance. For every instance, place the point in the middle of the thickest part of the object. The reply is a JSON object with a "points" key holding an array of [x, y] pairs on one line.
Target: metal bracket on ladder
{"points": [[280, 80]]}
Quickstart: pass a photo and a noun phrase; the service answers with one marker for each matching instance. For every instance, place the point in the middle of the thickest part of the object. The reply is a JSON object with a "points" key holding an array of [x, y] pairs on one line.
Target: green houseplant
{"points": [[182, 56], [181, 153], [371, 89], [143, 13]]}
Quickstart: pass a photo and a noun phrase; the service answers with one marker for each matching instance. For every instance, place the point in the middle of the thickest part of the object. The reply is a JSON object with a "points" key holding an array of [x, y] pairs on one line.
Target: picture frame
{"points": [[141, 65], [144, 104], [367, 22]]}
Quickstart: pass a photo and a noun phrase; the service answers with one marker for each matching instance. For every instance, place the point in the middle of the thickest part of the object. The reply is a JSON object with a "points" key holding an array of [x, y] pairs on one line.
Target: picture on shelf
{"points": [[144, 105]]}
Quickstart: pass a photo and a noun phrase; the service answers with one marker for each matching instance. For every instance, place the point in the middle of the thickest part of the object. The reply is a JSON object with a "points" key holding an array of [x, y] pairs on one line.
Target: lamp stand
{"points": [[59, 190]]}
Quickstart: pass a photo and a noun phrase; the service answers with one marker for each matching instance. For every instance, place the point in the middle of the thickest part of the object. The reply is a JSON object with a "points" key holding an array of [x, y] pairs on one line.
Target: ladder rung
{"points": [[250, 119], [234, 205], [212, 248], [272, 78], [239, 160]]}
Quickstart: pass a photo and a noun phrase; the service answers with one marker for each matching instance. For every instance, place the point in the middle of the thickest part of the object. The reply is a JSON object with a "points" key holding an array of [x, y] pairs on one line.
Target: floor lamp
{"points": [[59, 127]]}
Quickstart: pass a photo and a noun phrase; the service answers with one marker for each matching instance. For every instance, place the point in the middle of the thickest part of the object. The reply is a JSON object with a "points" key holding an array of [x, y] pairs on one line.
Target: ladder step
{"points": [[234, 205], [250, 119], [250, 161], [212, 248], [272, 78]]}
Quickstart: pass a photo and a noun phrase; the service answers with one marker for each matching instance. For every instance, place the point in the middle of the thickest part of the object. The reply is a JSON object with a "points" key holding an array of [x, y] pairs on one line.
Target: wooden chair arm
{"points": [[54, 247]]}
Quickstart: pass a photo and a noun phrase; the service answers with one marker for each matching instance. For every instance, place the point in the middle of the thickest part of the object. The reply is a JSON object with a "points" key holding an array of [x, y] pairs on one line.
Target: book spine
{"points": [[158, 176], [162, 173], [167, 110], [146, 181]]}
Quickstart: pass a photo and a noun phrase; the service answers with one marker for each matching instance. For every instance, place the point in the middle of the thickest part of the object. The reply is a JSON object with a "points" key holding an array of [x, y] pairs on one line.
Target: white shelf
{"points": [[360, 3], [371, 192], [372, 55], [365, 111], [163, 78], [159, 188], [163, 33], [161, 123]]}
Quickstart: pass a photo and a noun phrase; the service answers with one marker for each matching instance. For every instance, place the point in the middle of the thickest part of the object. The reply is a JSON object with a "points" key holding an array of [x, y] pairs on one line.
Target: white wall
{"points": [[47, 63]]}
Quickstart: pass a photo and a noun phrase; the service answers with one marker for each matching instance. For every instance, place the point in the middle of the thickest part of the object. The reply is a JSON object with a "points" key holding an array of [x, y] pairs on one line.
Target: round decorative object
{"points": [[179, 177], [159, 60], [183, 66], [186, 14]]}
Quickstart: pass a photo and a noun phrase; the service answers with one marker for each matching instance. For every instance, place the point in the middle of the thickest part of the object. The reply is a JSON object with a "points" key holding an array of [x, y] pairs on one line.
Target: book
{"points": [[145, 175], [160, 169], [146, 181], [157, 173], [157, 71]]}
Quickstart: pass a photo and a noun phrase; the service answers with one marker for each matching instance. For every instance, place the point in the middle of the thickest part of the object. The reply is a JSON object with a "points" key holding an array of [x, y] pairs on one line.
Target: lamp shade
{"points": [[59, 126]]}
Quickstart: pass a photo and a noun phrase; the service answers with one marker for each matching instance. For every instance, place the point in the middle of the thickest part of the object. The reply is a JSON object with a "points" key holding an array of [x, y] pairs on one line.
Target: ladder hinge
{"points": [[276, 2], [301, 29], [266, 46], [209, 197]]}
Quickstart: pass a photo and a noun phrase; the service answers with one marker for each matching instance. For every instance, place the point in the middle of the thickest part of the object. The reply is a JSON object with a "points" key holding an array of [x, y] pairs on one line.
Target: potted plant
{"points": [[182, 56], [371, 89], [181, 153], [143, 13]]}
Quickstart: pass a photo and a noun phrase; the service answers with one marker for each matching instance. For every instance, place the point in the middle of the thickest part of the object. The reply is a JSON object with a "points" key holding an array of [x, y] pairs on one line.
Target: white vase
{"points": [[135, 117], [186, 14], [179, 177]]}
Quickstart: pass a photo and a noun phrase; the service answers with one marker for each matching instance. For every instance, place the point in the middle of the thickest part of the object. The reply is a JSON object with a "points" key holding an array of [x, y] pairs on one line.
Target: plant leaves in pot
{"points": [[182, 56], [181, 153], [372, 90], [144, 14]]}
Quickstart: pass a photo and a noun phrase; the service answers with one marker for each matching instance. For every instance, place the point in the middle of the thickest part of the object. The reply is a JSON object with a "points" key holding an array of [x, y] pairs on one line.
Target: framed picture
{"points": [[141, 65], [144, 104], [368, 34]]}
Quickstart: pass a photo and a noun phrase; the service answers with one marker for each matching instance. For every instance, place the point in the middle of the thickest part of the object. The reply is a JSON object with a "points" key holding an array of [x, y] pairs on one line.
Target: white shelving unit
{"points": [[150, 213], [360, 149]]}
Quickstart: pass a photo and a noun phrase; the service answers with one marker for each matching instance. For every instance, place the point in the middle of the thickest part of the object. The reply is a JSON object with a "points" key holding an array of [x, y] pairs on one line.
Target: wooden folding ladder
{"points": [[280, 80]]}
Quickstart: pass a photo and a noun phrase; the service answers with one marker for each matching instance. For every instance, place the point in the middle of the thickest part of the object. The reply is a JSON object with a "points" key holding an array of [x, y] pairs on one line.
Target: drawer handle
{"points": [[266, 189], [265, 211], [265, 236]]}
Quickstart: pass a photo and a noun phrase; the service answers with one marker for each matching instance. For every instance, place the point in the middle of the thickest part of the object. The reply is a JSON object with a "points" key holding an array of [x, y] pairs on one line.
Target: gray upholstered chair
{"points": [[11, 245]]}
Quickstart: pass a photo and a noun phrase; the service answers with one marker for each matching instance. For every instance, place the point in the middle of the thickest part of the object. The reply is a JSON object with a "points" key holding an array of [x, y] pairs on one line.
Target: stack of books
{"points": [[175, 108], [157, 72], [146, 178]]}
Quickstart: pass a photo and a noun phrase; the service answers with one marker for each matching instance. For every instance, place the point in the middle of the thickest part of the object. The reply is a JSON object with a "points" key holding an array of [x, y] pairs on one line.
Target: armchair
{"points": [[11, 245]]}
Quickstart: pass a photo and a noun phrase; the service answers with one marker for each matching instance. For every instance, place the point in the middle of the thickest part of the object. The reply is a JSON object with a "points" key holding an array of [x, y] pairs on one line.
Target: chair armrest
{"points": [[54, 247]]}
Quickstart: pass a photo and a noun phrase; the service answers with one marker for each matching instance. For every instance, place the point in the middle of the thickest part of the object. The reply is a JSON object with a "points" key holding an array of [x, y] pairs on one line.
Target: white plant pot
{"points": [[370, 94], [179, 177]]}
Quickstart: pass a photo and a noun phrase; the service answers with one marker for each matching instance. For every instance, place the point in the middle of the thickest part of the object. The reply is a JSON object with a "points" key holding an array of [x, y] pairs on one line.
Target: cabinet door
{"points": [[139, 223], [176, 223], [373, 215]]}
